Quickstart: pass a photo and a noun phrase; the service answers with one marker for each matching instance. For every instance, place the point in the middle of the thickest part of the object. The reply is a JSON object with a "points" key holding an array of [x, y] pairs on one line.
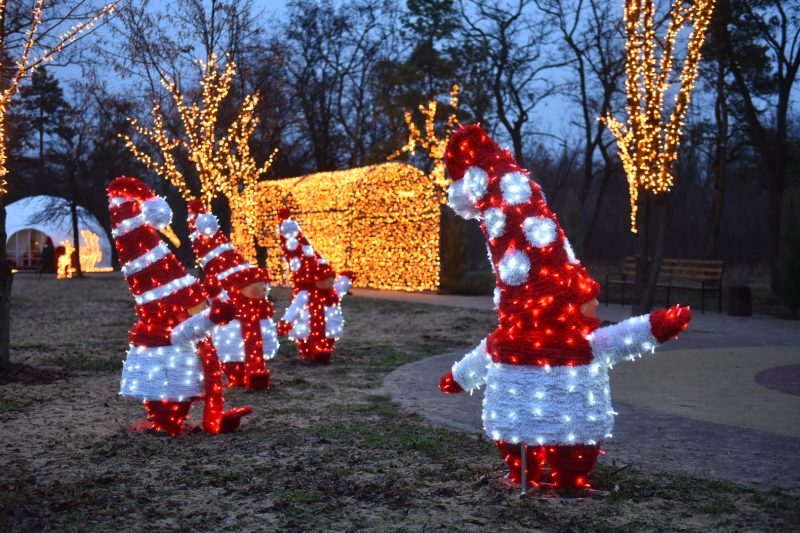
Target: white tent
{"points": [[24, 236]]}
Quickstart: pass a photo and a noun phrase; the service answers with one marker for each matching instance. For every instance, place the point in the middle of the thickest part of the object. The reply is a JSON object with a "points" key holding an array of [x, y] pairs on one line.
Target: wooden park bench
{"points": [[703, 275]]}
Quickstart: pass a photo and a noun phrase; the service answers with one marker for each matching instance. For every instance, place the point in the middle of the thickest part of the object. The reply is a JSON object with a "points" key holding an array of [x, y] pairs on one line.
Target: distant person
{"points": [[47, 265]]}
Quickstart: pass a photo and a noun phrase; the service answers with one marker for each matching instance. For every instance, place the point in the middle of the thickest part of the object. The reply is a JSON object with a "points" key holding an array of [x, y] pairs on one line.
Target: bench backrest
{"points": [[687, 269]]}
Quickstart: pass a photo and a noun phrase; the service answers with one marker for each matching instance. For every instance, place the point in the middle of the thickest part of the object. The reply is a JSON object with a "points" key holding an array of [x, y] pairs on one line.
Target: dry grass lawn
{"points": [[324, 449]]}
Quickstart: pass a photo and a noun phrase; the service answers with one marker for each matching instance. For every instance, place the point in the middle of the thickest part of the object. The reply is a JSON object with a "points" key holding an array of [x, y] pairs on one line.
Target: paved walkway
{"points": [[721, 402]]}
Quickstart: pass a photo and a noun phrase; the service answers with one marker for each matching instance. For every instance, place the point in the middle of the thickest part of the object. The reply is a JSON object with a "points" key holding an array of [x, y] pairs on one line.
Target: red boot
{"points": [[259, 381], [571, 465], [231, 419], [534, 460], [235, 373], [167, 416]]}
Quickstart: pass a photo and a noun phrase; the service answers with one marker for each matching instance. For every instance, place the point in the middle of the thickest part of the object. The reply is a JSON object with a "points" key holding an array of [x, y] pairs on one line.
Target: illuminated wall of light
{"points": [[381, 221]]}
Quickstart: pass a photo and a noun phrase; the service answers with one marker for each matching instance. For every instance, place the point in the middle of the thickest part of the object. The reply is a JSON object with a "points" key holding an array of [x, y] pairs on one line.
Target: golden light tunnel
{"points": [[381, 221]]}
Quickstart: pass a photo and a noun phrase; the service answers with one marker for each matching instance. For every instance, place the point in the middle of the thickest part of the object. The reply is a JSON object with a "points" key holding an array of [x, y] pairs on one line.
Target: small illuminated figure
{"points": [[170, 364], [247, 342], [314, 318]]}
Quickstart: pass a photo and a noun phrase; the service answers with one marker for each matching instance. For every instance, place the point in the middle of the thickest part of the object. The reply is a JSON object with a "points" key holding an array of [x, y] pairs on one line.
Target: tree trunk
{"points": [[651, 241], [598, 204], [6, 277], [719, 159], [73, 212]]}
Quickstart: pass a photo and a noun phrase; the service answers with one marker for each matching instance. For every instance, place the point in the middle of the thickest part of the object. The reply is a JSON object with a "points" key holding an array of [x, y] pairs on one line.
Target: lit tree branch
{"points": [[648, 142]]}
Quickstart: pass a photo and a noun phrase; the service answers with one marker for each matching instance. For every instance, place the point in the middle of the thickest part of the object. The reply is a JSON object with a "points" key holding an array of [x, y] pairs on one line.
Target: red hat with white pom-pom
{"points": [[162, 288], [306, 265], [540, 282], [216, 255]]}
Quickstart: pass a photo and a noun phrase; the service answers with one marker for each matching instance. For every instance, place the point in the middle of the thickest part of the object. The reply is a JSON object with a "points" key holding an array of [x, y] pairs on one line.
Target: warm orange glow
{"points": [[381, 221], [224, 164], [433, 145], [91, 254], [64, 268]]}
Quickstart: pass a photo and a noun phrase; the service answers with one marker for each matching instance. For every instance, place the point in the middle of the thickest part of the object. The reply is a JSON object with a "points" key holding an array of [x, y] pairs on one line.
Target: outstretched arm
{"points": [[343, 282], [200, 325], [468, 373], [638, 335]]}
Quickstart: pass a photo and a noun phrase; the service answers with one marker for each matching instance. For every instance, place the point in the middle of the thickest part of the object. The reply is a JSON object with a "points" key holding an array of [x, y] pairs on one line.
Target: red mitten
{"points": [[667, 323], [222, 312], [212, 287], [449, 385], [284, 327]]}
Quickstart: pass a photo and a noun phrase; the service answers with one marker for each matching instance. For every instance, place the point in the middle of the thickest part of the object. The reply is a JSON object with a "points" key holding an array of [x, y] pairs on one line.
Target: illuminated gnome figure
{"points": [[546, 365], [314, 319], [169, 364], [248, 341]]}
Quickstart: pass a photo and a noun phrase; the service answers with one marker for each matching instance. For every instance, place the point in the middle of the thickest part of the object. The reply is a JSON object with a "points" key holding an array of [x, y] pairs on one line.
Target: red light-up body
{"points": [[163, 367], [546, 365], [314, 318], [247, 342]]}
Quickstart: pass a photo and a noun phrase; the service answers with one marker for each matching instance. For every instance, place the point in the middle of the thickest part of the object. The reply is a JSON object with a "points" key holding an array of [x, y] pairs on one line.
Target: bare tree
{"points": [[591, 35], [777, 25], [334, 55], [513, 43]]}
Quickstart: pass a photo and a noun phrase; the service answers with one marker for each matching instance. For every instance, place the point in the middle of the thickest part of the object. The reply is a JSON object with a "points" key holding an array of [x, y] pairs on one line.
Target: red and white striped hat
{"points": [[540, 282], [306, 265], [216, 255], [162, 288]]}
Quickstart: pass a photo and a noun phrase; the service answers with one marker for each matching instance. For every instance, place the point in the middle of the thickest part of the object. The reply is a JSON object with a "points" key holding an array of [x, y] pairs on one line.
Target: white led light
{"points": [[516, 188], [476, 183], [513, 268], [165, 290], [216, 252], [494, 221]]}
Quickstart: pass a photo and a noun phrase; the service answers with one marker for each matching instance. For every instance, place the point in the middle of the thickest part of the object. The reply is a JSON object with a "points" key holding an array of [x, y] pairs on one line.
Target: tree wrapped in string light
{"points": [[224, 164], [648, 141], [433, 145], [545, 367]]}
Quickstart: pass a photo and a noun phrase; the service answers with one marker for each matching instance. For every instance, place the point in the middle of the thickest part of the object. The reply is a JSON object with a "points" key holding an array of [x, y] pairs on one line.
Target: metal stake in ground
{"points": [[524, 468]]}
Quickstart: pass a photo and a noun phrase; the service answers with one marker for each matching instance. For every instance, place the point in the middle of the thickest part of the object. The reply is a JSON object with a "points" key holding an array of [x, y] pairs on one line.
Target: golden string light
{"points": [[224, 164], [29, 61], [430, 143], [381, 221], [647, 143]]}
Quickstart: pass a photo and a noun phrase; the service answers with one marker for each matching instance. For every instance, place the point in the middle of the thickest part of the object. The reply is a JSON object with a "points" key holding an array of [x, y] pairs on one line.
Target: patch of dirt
{"points": [[322, 451], [28, 375]]}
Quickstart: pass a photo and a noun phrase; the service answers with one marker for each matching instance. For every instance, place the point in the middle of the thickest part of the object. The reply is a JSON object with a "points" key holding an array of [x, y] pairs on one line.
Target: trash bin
{"points": [[739, 301]]}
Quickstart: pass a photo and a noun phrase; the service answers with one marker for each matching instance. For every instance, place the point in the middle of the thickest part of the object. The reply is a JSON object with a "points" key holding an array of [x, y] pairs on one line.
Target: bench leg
{"points": [[719, 300], [622, 293], [669, 289], [703, 301]]}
